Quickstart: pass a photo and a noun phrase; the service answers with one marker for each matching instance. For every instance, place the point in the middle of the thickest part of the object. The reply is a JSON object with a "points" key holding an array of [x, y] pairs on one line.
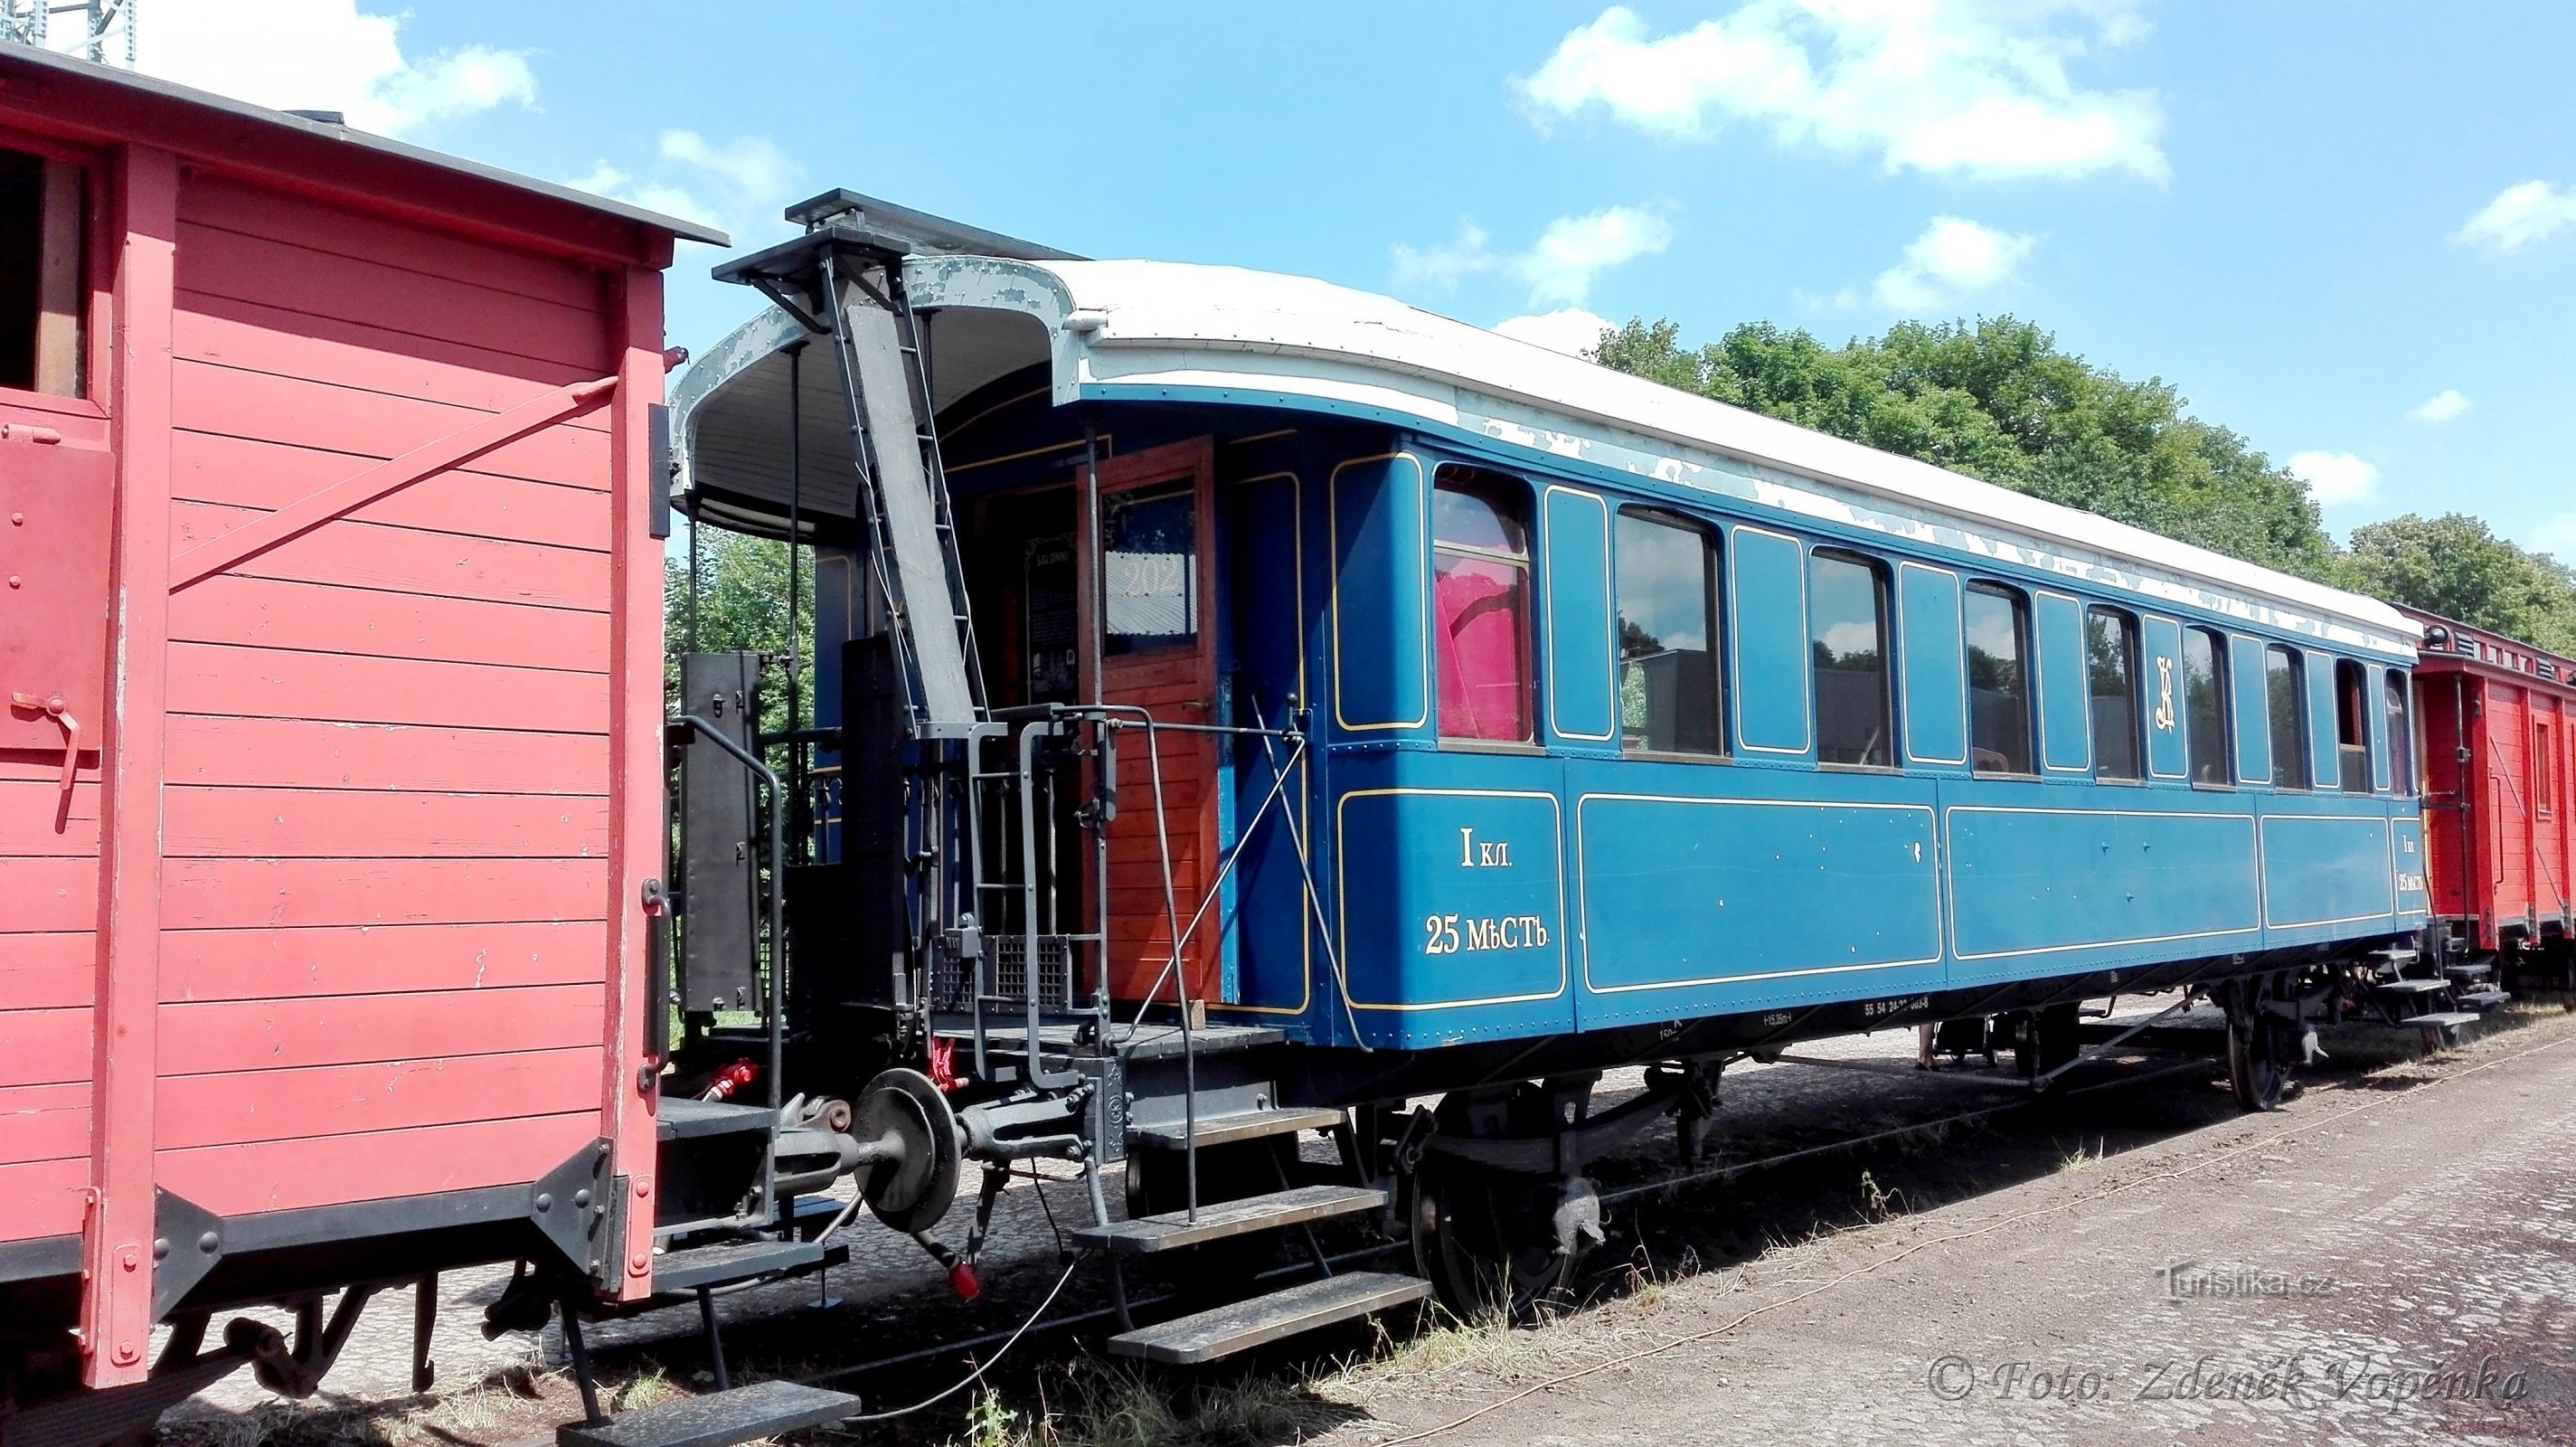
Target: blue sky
{"points": [[2347, 231]]}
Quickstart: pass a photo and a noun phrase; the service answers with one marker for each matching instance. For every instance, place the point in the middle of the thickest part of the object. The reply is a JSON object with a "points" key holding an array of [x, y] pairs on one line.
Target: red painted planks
{"points": [[224, 332], [44, 1122], [50, 971], [275, 683], [201, 822], [320, 618], [44, 1047], [304, 754], [42, 1198], [267, 476], [205, 1038], [307, 279], [292, 893], [256, 211], [33, 821], [230, 403], [268, 1105], [41, 896], [268, 964], [401, 560], [328, 1170]]}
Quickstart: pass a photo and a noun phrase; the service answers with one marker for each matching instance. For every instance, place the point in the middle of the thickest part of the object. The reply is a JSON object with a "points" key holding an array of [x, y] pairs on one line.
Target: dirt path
{"points": [[2376, 1263]]}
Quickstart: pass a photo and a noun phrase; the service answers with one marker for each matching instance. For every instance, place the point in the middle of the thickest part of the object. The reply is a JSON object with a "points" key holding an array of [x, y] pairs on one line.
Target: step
{"points": [[1217, 1130], [733, 1261], [2482, 999], [2463, 974], [2441, 1020], [1172, 1230], [2397, 954], [2410, 987], [1226, 1330], [717, 1419]]}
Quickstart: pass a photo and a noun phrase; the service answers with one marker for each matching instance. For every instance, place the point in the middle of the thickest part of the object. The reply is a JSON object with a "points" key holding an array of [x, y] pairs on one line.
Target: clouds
{"points": [[2336, 478], [1570, 330], [1558, 268], [329, 55], [751, 178], [2440, 408], [1971, 87], [2519, 216], [1952, 260]]}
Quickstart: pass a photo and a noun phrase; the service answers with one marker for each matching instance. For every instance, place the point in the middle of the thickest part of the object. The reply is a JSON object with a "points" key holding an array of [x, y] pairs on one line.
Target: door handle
{"points": [[52, 707]]}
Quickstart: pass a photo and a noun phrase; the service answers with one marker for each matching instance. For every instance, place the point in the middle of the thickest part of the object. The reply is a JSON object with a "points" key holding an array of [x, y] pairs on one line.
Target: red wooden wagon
{"points": [[330, 773], [2497, 715]]}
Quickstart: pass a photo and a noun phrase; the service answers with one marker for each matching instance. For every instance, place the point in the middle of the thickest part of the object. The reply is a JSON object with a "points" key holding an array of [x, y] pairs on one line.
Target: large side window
{"points": [[2352, 726], [1847, 634], [1668, 631], [2111, 665], [1998, 629], [2205, 706], [41, 201], [2399, 730], [1480, 573], [2285, 694]]}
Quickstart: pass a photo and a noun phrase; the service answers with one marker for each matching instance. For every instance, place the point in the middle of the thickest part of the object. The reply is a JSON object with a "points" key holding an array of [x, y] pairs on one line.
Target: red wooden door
{"points": [[1152, 582]]}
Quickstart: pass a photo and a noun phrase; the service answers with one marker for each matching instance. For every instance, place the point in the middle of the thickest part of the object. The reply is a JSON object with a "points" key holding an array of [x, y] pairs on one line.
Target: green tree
{"points": [[2456, 566], [741, 603], [1999, 400]]}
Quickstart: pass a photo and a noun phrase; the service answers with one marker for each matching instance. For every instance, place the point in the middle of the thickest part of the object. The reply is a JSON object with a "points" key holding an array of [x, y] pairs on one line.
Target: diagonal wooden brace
{"points": [[342, 498]]}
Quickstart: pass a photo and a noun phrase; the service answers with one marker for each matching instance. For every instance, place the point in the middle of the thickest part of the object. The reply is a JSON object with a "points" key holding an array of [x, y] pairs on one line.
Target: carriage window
{"points": [[1998, 629], [2400, 733], [1149, 569], [2111, 662], [1847, 634], [1667, 635], [2352, 726], [2285, 692], [1480, 603], [40, 273], [2204, 702]]}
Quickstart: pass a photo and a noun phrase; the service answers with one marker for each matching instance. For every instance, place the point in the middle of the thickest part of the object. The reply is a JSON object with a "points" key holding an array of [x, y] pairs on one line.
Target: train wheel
{"points": [[1487, 1242], [2257, 1065]]}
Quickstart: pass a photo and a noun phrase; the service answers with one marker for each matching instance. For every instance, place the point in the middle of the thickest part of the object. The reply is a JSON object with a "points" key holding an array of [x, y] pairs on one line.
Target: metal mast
{"points": [[106, 36]]}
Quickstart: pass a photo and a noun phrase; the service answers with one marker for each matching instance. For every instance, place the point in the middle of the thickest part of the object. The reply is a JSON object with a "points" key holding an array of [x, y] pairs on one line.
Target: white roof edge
{"points": [[1127, 305]]}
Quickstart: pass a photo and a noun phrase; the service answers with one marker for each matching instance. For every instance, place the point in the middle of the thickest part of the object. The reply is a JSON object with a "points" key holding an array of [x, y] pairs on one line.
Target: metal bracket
{"points": [[572, 1204], [187, 1243]]}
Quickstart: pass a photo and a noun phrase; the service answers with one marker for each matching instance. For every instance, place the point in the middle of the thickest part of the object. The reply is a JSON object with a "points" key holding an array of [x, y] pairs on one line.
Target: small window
{"points": [[2111, 663], [1847, 634], [41, 223], [1480, 573], [2204, 704], [1998, 635], [1668, 680], [1149, 574], [2400, 732], [2285, 694], [2544, 765], [2352, 726]]}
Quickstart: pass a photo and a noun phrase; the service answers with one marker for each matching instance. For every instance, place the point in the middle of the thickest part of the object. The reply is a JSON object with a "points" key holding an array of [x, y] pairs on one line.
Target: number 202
{"points": [[1442, 930]]}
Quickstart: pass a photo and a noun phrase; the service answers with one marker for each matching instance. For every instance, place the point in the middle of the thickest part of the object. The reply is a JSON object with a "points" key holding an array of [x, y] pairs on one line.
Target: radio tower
{"points": [[104, 34]]}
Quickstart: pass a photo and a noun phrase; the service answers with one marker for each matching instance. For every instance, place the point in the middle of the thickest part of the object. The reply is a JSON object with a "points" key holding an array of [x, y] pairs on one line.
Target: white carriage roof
{"points": [[1131, 329]]}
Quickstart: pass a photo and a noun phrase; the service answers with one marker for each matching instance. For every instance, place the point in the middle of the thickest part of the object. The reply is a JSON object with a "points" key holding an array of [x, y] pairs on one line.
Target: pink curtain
{"points": [[1481, 610]]}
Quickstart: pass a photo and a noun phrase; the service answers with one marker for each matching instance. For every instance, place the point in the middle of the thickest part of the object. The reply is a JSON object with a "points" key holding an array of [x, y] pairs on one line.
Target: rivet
{"points": [[13, 580], [210, 1243], [581, 1198], [545, 1202], [160, 1248], [17, 520]]}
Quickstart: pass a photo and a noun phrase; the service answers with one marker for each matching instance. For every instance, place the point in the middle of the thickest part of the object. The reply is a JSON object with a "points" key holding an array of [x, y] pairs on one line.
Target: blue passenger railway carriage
{"points": [[1477, 720]]}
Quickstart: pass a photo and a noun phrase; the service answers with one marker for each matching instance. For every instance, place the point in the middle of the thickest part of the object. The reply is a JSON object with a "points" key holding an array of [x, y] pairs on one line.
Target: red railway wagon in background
{"points": [[2496, 718], [330, 787]]}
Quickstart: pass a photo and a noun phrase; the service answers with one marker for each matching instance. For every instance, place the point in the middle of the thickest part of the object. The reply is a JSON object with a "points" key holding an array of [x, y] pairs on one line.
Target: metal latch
{"points": [[52, 706]]}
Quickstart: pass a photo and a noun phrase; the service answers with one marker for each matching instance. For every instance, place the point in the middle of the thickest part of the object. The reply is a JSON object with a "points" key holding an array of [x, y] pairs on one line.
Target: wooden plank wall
{"points": [[387, 811]]}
